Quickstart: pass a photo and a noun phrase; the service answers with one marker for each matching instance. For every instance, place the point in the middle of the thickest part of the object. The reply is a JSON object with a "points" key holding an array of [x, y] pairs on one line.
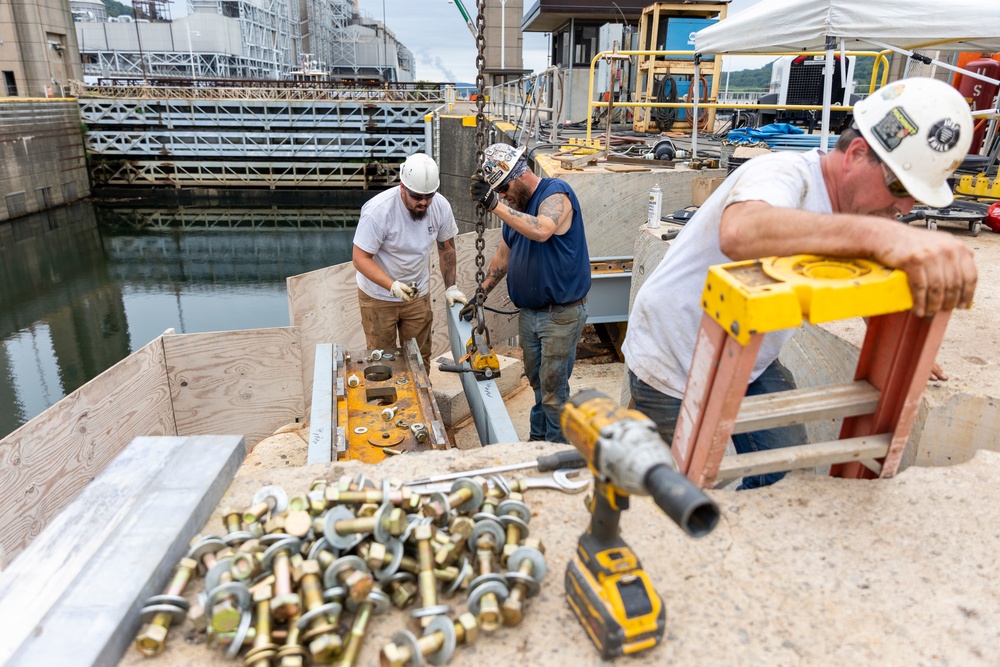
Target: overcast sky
{"points": [[445, 50]]}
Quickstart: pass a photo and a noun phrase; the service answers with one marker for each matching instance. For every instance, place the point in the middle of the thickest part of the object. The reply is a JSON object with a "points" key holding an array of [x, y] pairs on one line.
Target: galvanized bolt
{"points": [[376, 603], [353, 574], [437, 645], [319, 631], [292, 653], [285, 602], [263, 648], [527, 568], [466, 496], [426, 581], [162, 610], [514, 515]]}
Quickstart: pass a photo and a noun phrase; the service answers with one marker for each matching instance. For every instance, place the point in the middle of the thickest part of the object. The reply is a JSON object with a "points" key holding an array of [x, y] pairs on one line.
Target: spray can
{"points": [[655, 205]]}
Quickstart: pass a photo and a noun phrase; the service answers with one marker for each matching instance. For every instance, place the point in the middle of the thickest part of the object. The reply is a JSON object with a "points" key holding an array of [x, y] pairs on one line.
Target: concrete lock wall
{"points": [[42, 160]]}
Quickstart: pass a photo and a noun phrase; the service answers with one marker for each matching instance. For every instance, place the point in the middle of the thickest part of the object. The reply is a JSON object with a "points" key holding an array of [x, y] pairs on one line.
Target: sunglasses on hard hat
{"points": [[417, 197]]}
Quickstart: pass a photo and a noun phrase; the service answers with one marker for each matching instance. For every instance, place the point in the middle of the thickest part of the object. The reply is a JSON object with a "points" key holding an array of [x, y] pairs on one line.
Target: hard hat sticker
{"points": [[891, 130], [943, 135]]}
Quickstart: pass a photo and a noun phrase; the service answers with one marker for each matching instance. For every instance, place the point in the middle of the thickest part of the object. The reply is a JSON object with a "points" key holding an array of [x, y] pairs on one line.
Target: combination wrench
{"points": [[566, 480]]}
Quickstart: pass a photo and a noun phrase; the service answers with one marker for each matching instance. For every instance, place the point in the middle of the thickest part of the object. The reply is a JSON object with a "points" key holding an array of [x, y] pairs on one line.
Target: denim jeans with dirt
{"points": [[548, 341], [663, 410]]}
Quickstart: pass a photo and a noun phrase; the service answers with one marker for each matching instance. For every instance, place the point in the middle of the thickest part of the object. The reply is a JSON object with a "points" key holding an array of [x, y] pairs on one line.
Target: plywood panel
{"points": [[323, 304], [247, 381], [47, 462]]}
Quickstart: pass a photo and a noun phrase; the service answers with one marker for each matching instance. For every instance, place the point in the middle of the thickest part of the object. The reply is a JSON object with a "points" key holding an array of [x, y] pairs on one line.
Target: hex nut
{"points": [[535, 543], [397, 521], [512, 611], [393, 656], [151, 640], [324, 647], [466, 628], [423, 532], [310, 567], [285, 606]]}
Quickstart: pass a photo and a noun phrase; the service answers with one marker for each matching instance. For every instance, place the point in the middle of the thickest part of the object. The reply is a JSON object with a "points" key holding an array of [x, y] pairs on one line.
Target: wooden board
{"points": [[323, 304], [625, 168], [48, 461], [246, 381], [73, 598]]}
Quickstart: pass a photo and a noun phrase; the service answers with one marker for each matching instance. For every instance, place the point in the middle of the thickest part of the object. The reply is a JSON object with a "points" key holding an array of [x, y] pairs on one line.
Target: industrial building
{"points": [[239, 39]]}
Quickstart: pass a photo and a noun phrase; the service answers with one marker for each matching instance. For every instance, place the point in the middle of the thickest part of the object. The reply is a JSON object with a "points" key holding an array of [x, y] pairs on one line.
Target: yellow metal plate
{"points": [[776, 293]]}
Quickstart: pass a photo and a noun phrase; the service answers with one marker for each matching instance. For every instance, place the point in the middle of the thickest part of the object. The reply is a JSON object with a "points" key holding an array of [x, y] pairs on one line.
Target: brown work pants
{"points": [[381, 321]]}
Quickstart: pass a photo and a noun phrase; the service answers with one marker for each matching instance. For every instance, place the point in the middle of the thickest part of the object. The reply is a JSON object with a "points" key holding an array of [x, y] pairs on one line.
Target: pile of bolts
{"points": [[277, 582]]}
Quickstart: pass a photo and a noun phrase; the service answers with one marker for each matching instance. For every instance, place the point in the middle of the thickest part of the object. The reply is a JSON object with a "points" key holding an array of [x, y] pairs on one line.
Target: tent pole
{"points": [[824, 141], [694, 108], [928, 61]]}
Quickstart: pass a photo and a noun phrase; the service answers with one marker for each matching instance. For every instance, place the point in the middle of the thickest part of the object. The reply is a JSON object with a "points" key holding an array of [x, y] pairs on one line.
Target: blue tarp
{"points": [[781, 136]]}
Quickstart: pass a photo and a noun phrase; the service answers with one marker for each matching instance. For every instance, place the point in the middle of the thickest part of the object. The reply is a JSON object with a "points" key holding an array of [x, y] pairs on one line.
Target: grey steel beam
{"points": [[485, 400]]}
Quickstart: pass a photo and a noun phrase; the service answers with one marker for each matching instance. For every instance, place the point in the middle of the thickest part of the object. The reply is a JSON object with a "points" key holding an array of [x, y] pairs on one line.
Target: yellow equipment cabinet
{"points": [[667, 26]]}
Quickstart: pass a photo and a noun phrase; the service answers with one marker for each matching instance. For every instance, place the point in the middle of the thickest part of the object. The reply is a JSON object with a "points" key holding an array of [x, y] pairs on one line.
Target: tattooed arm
{"points": [[555, 215], [446, 258], [498, 268]]}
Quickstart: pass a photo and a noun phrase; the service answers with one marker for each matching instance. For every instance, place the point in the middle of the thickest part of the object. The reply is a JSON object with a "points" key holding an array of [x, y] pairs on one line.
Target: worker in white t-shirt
{"points": [[392, 244], [906, 140]]}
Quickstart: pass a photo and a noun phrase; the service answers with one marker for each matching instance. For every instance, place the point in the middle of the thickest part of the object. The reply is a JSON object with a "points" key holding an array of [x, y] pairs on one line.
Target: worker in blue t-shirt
{"points": [[544, 256]]}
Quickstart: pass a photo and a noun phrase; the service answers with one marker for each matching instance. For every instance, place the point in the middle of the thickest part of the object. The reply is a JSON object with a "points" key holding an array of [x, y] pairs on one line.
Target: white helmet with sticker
{"points": [[499, 160], [921, 129]]}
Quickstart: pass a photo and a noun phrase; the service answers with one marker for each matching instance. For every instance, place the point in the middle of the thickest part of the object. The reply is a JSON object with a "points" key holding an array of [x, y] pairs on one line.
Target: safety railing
{"points": [[527, 103], [696, 104]]}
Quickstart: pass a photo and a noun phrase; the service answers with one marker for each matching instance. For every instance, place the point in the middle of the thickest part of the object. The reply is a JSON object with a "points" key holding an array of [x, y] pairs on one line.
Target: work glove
{"points": [[468, 311], [454, 294], [483, 193], [403, 291]]}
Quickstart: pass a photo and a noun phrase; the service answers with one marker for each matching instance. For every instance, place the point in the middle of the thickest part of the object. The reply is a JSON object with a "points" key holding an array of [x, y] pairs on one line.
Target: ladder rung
{"points": [[802, 405], [804, 456]]}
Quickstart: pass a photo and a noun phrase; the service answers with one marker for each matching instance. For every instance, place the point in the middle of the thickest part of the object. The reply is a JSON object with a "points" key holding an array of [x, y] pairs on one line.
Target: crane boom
{"points": [[468, 19]]}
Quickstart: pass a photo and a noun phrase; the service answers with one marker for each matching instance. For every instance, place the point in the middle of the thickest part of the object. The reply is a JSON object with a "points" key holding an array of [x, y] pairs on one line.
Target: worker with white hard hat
{"points": [[543, 254], [395, 234], [906, 141]]}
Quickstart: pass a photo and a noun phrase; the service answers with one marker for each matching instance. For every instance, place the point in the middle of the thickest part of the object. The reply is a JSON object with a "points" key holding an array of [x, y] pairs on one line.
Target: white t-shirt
{"points": [[666, 315], [398, 243]]}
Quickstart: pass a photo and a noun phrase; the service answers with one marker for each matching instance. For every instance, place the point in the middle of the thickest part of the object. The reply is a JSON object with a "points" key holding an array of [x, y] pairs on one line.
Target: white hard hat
{"points": [[921, 129], [498, 161], [419, 174]]}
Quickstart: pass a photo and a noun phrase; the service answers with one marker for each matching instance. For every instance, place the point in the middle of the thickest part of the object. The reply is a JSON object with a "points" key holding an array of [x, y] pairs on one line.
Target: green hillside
{"points": [[116, 8], [759, 79]]}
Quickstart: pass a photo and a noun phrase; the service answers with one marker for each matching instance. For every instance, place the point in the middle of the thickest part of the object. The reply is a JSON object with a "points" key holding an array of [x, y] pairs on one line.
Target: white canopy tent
{"points": [[793, 26]]}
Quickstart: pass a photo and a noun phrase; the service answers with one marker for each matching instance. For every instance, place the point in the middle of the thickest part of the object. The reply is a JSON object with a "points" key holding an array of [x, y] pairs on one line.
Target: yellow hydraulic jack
{"points": [[479, 358]]}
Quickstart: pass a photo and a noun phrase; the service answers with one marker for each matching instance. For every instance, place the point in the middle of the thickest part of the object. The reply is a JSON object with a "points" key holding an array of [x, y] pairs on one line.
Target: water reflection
{"points": [[83, 286]]}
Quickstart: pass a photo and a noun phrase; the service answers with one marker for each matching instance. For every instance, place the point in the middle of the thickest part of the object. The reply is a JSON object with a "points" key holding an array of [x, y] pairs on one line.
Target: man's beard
{"points": [[518, 196], [417, 215]]}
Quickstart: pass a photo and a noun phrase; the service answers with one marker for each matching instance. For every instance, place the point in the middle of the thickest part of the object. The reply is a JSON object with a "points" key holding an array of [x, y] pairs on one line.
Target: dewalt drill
{"points": [[605, 584]]}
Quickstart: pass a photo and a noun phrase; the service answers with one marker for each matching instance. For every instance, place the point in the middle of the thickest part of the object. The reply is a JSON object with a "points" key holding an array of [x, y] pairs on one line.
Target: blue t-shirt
{"points": [[553, 272]]}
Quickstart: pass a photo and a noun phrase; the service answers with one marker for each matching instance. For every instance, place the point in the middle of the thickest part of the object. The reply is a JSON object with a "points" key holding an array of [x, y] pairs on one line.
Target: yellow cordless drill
{"points": [[605, 583]]}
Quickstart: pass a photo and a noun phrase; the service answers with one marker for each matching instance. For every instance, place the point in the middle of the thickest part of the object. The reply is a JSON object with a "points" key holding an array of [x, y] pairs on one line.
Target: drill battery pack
{"points": [[614, 598]]}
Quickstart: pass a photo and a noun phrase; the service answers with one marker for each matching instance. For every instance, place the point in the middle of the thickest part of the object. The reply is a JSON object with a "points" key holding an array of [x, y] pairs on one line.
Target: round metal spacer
{"points": [[274, 496], [491, 526], [482, 579], [334, 594], [328, 609], [475, 501], [177, 615], [320, 545], [175, 600], [408, 639], [214, 576], [508, 519], [445, 517], [338, 513], [445, 626], [501, 483], [394, 547], [290, 545], [343, 563], [498, 589], [433, 610], [531, 586], [237, 538], [379, 599], [515, 507], [528, 553], [381, 531], [233, 588], [464, 572], [209, 544], [241, 635]]}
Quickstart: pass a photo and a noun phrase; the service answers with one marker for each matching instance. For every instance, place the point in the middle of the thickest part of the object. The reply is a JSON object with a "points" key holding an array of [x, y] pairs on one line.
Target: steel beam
{"points": [[485, 400], [611, 283]]}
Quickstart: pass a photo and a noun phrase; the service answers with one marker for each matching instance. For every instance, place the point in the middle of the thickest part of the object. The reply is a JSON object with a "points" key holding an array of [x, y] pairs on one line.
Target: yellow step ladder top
{"points": [[758, 296]]}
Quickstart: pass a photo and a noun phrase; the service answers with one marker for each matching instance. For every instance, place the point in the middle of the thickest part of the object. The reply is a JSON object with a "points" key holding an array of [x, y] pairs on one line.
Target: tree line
{"points": [[757, 80]]}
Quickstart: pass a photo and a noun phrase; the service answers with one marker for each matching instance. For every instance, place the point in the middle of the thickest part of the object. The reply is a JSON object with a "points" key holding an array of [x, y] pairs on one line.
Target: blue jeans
{"points": [[663, 410], [548, 341]]}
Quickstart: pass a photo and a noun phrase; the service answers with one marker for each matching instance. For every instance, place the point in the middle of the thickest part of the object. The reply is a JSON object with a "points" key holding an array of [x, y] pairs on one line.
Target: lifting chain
{"points": [[480, 149]]}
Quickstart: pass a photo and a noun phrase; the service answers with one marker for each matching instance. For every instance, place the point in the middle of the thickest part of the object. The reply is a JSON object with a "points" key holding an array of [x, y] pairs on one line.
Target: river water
{"points": [[83, 286]]}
